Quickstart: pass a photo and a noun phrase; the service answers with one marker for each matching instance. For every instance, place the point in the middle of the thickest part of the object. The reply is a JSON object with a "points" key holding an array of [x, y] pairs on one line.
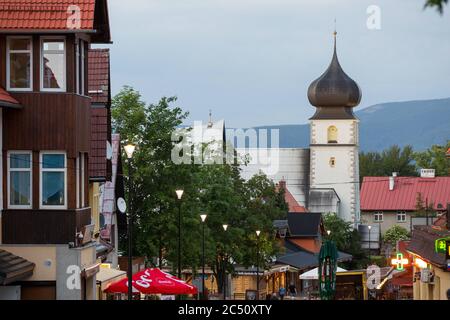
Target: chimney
{"points": [[392, 181], [282, 184]]}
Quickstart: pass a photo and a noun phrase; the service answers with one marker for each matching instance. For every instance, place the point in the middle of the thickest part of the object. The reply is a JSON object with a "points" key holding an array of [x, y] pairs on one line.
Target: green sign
{"points": [[441, 245]]}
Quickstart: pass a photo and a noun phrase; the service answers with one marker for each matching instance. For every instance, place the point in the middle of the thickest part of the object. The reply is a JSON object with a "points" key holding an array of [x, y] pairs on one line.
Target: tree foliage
{"points": [[394, 159], [215, 189], [434, 158], [438, 4], [347, 239], [395, 234]]}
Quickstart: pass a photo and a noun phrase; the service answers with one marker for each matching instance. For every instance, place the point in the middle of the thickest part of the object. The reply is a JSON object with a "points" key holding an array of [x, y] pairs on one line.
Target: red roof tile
{"points": [[375, 193], [99, 75], [45, 14], [7, 100], [294, 206]]}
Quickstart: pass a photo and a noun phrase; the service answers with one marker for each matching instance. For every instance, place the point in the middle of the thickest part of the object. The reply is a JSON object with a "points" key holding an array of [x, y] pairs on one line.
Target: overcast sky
{"points": [[251, 61]]}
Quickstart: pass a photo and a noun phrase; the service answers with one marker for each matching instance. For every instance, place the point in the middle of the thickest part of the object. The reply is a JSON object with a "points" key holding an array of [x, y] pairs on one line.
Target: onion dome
{"points": [[334, 89]]}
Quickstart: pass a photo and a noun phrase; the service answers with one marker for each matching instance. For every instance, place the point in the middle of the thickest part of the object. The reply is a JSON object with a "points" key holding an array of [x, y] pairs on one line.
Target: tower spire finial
{"points": [[335, 34], [210, 123]]}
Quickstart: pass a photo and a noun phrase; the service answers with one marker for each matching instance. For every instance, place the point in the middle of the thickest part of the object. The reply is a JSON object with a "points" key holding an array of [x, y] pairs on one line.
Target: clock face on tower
{"points": [[332, 134]]}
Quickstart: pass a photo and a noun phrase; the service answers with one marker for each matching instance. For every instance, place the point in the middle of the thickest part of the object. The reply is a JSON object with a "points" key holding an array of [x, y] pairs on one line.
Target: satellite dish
{"points": [[109, 151], [121, 205]]}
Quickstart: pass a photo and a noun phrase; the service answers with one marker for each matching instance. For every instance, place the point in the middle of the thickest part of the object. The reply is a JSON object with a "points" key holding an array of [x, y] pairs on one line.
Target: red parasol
{"points": [[153, 281]]}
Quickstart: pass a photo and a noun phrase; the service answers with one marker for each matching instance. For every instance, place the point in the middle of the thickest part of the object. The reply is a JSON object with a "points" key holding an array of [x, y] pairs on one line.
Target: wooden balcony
{"points": [[43, 226]]}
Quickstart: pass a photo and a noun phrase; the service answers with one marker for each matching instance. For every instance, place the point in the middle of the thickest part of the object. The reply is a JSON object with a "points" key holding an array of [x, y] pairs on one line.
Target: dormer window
{"points": [[53, 64], [19, 64]]}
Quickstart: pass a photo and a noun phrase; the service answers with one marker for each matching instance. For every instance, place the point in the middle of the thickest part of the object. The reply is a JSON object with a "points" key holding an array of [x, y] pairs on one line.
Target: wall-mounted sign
{"points": [[441, 245], [400, 262]]}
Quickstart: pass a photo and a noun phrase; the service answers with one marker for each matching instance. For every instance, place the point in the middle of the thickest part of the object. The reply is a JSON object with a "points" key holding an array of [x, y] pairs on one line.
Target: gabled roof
{"points": [[304, 225], [423, 244], [14, 268], [7, 101], [57, 16], [99, 76], [98, 162], [375, 193], [294, 206]]}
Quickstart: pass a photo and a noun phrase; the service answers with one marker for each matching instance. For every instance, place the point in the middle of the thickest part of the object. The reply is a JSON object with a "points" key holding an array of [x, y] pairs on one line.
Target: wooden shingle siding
{"points": [[43, 226], [48, 121]]}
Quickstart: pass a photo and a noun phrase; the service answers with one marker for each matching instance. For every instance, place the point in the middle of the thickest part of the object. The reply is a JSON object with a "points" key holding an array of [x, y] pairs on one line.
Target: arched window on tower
{"points": [[332, 134]]}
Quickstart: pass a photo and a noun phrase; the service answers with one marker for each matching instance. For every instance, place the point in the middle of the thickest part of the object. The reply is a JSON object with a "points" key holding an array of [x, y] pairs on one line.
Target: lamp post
{"points": [[257, 263], [179, 196], [203, 217], [370, 228], [224, 286], [129, 150]]}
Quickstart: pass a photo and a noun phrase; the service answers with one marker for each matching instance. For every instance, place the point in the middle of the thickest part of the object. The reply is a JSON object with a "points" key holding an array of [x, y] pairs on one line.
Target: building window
{"points": [[332, 134], [401, 216], [53, 64], [332, 162], [378, 216], [19, 180], [19, 64], [53, 180]]}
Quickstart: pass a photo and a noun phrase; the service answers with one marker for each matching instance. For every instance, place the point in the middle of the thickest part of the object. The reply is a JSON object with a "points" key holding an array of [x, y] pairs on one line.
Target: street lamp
{"points": [[179, 196], [370, 228], [129, 150], [257, 263], [203, 217], [224, 286], [329, 232]]}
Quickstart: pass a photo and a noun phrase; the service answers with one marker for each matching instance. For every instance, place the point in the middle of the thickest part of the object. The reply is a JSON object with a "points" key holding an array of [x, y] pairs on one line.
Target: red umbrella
{"points": [[153, 281]]}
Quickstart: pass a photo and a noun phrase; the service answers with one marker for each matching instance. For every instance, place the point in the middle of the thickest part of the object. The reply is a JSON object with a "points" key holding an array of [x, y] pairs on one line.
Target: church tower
{"points": [[334, 145]]}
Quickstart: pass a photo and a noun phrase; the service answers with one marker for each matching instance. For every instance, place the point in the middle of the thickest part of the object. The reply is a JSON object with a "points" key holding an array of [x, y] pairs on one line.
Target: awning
{"points": [[314, 274], [153, 281], [14, 268], [7, 101], [106, 276], [280, 269]]}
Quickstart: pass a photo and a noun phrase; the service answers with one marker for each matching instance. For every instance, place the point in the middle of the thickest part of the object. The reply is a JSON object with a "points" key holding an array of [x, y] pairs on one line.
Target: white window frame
{"points": [[9, 205], [378, 213], [8, 63], [41, 170], [77, 184], [41, 64], [83, 196], [401, 214]]}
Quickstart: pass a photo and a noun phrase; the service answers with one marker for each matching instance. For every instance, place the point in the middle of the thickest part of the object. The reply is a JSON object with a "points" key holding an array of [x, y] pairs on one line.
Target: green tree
{"points": [[395, 234], [347, 239], [388, 161], [434, 158], [215, 189], [438, 4]]}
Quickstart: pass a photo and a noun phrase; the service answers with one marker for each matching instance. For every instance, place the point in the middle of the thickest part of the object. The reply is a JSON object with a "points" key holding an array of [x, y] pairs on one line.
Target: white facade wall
{"points": [[343, 175], [288, 164]]}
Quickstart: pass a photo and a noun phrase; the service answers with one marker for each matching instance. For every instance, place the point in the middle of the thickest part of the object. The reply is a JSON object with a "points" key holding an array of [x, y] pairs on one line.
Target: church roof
{"points": [[334, 88]]}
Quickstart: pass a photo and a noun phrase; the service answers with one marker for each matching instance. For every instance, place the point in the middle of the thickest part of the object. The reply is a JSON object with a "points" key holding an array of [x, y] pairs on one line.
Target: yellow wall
{"points": [[94, 202], [38, 255], [436, 291]]}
